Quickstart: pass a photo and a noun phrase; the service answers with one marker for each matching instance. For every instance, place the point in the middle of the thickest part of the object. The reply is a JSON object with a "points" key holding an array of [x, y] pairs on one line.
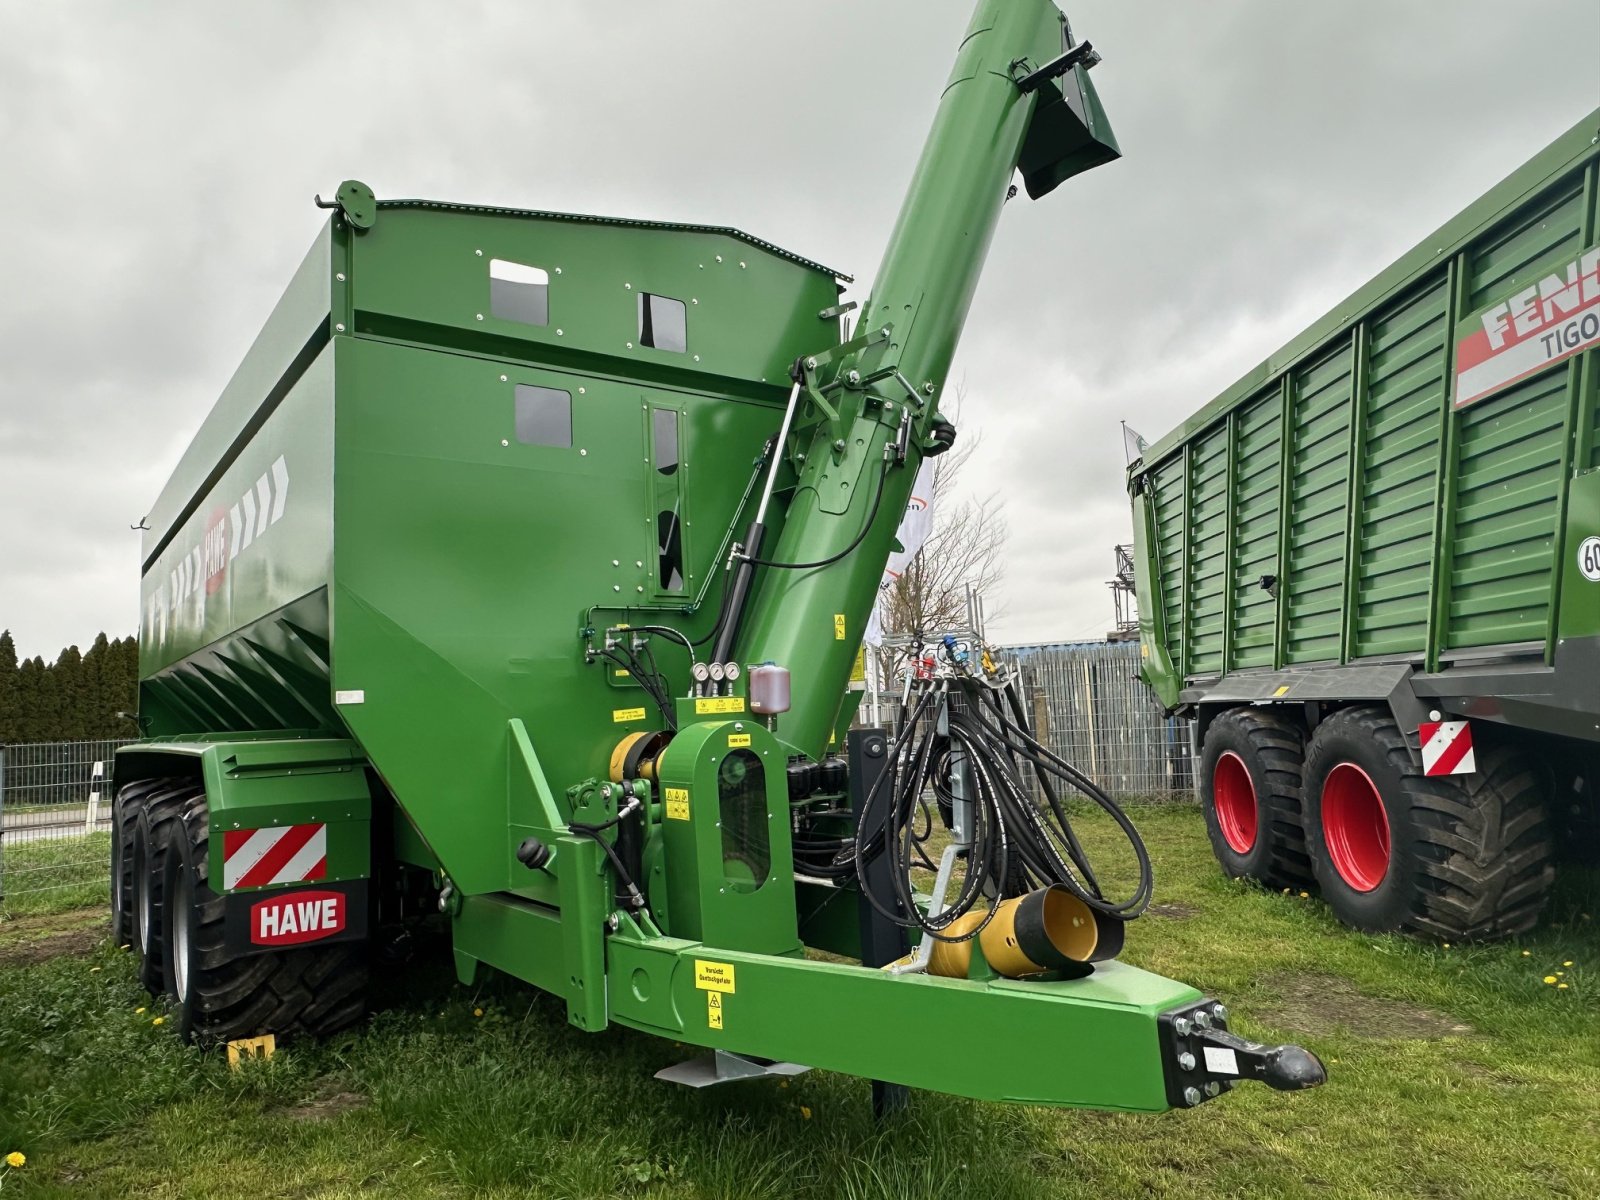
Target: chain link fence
{"points": [[55, 817], [1090, 707]]}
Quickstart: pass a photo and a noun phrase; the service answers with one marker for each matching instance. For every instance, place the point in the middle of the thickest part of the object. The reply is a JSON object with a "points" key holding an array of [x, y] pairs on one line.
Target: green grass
{"points": [[54, 874], [1454, 1073]]}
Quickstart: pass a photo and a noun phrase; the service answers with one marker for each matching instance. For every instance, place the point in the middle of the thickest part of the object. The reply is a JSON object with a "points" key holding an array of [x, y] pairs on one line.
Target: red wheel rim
{"points": [[1355, 826], [1234, 798]]}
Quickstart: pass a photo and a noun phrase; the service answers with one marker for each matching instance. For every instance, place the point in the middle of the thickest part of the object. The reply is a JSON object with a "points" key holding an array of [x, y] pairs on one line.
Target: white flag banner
{"points": [[913, 532], [1132, 444]]}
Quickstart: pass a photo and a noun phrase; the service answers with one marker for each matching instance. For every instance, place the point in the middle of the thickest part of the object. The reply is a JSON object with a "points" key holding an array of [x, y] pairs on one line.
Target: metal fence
{"points": [[1090, 707], [52, 802]]}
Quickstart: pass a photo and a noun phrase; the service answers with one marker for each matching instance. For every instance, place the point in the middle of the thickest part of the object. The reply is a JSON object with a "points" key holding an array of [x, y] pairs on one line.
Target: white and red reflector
{"points": [[285, 854], [295, 917], [1447, 748]]}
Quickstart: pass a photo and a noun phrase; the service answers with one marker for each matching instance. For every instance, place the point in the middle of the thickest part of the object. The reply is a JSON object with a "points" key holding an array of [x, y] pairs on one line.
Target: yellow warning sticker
{"points": [[619, 715], [713, 976], [736, 740], [838, 627], [621, 672], [1283, 691], [858, 673], [252, 1047], [718, 704], [677, 804], [714, 1009]]}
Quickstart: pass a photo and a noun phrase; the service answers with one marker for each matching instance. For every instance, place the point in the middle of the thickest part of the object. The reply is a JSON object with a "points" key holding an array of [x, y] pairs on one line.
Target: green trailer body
{"points": [[472, 453], [1401, 507]]}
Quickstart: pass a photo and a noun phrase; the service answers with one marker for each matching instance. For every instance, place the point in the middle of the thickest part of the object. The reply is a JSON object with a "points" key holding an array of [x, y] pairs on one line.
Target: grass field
{"points": [[1455, 1072], [53, 874]]}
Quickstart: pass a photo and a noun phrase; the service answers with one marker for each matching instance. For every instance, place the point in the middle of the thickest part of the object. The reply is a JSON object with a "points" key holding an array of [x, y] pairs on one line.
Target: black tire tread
{"points": [[125, 808], [304, 991], [1280, 743], [1485, 840], [158, 810]]}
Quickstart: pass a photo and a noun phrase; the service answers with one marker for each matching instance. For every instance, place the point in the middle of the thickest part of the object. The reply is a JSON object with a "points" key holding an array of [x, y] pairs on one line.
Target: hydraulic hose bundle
{"points": [[970, 732]]}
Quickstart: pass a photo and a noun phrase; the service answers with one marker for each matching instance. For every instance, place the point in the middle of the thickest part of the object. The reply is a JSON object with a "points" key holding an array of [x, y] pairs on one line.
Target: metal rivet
{"points": [[616, 562], [558, 270], [640, 588], [638, 562], [692, 299], [1186, 1061], [580, 391], [340, 276], [502, 379], [480, 316], [616, 587], [503, 442], [630, 345], [719, 258], [558, 333], [338, 328], [741, 266], [479, 253], [584, 453], [697, 358], [629, 286]]}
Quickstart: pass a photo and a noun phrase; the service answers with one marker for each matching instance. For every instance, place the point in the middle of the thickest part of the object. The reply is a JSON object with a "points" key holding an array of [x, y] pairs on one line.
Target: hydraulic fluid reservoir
{"points": [[769, 689]]}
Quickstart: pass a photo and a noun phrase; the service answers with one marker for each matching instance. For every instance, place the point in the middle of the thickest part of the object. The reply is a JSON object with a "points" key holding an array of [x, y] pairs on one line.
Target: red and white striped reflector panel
{"points": [[1447, 748], [287, 854]]}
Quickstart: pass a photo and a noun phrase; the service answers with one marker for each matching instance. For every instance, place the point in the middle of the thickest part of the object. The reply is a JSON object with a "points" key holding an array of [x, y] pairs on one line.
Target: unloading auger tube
{"points": [[655, 815]]}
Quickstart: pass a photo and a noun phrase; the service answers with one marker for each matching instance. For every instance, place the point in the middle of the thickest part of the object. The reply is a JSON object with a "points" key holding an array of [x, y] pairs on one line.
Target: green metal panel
{"points": [[1171, 551], [1254, 542], [1207, 545], [1407, 527], [1320, 435], [1406, 382]]}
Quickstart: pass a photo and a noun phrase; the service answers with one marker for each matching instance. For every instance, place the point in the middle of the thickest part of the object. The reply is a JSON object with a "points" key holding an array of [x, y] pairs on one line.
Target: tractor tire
{"points": [[1456, 857], [150, 827], [218, 995], [1250, 770], [124, 817]]}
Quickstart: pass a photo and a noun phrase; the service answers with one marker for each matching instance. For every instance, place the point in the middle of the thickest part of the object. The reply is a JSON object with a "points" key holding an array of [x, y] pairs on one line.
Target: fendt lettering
{"points": [[560, 650]]}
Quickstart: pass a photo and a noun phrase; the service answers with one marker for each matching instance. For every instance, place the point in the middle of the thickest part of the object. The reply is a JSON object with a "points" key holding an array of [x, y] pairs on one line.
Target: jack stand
{"points": [[882, 941], [723, 1066]]}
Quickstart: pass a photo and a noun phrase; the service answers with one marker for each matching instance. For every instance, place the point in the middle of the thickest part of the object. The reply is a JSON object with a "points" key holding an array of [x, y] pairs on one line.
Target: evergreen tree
{"points": [[30, 694], [9, 711], [72, 703]]}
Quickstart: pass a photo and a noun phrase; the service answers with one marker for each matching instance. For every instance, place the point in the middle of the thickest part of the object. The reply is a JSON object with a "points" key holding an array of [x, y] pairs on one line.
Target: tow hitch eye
{"points": [[1201, 1059]]}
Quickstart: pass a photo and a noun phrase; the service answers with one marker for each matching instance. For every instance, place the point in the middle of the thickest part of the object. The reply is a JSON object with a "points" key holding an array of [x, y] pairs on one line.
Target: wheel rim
{"points": [[1233, 795], [118, 875], [182, 908], [1355, 826], [144, 901]]}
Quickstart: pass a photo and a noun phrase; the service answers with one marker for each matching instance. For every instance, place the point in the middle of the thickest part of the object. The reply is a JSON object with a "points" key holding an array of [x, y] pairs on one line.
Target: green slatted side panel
{"points": [[1508, 479], [1508, 474], [1408, 360], [1258, 457], [1208, 550], [1169, 515], [1321, 472]]}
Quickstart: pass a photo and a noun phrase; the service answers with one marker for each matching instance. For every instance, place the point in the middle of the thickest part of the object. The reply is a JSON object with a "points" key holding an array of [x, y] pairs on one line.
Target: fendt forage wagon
{"points": [[518, 576], [1371, 571]]}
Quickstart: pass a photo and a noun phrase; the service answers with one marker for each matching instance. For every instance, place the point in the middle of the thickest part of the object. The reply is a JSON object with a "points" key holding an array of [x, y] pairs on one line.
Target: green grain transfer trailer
{"points": [[515, 582], [1371, 571]]}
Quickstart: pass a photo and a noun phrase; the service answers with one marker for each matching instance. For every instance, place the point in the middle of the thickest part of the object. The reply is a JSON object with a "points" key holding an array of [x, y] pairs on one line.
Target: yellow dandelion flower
{"points": [[1561, 987], [805, 1112], [1527, 953], [1285, 891], [1447, 945], [477, 1012], [138, 1011], [159, 1021], [1549, 978], [16, 1159], [1568, 963], [1305, 895], [92, 970]]}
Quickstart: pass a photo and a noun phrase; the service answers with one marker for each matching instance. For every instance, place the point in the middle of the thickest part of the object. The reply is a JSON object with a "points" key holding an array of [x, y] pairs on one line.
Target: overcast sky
{"points": [[160, 159]]}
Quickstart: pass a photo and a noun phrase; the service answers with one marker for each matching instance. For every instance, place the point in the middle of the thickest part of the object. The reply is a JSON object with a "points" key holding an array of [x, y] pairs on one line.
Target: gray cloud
{"points": [[161, 160]]}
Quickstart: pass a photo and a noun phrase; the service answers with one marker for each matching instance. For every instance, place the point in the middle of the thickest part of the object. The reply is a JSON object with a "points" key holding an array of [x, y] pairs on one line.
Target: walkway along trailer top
{"points": [[518, 575], [1371, 570]]}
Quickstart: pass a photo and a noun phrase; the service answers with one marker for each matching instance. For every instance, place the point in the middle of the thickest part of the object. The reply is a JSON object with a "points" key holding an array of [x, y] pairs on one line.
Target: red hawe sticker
{"points": [[297, 917]]}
